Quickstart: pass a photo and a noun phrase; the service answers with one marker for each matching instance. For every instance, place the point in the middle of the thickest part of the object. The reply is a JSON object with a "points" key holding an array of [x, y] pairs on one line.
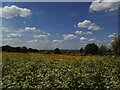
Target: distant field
{"points": [[51, 71]]}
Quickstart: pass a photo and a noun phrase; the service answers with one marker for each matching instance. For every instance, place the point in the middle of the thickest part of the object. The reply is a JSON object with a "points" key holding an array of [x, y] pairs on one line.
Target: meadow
{"points": [[55, 71]]}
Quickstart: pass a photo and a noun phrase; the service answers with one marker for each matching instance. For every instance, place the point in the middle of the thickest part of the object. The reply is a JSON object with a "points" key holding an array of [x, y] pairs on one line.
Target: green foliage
{"points": [[81, 50], [91, 49], [116, 45], [24, 49], [57, 51], [102, 50], [34, 71]]}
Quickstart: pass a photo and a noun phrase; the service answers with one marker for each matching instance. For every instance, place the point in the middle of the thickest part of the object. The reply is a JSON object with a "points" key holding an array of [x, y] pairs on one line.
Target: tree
{"points": [[91, 49], [6, 48], [116, 45], [24, 49], [57, 51], [81, 50], [102, 50]]}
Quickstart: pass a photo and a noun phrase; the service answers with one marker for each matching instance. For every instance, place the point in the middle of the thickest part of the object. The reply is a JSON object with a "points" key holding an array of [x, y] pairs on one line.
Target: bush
{"points": [[116, 45]]}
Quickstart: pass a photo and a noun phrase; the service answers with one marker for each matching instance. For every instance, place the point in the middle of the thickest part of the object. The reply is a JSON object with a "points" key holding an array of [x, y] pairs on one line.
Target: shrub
{"points": [[116, 45]]}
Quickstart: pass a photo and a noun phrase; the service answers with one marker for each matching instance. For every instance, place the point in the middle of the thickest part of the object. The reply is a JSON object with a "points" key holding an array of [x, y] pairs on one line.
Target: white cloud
{"points": [[92, 39], [83, 33], [32, 29], [14, 11], [112, 35], [12, 41], [46, 33], [104, 5], [40, 36], [57, 41], [89, 32], [14, 35], [32, 41], [20, 31], [38, 42], [5, 29], [80, 32], [83, 39], [69, 36], [89, 25]]}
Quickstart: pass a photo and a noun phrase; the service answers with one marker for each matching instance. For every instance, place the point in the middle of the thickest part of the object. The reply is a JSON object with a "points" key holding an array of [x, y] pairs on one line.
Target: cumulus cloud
{"points": [[104, 5], [69, 36], [88, 24], [40, 36], [32, 29], [83, 39], [80, 32], [46, 33], [57, 41], [92, 39], [112, 35], [83, 33], [87, 39], [14, 35], [14, 11], [89, 32]]}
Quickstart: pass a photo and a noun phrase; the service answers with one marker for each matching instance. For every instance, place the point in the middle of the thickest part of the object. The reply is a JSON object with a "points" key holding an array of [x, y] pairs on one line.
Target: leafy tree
{"points": [[18, 49], [81, 50], [116, 45], [24, 49], [109, 51], [57, 51], [6, 48], [102, 50], [91, 49]]}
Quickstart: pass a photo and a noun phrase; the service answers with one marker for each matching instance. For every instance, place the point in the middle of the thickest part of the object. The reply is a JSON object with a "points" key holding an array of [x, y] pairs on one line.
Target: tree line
{"points": [[89, 49], [24, 49]]}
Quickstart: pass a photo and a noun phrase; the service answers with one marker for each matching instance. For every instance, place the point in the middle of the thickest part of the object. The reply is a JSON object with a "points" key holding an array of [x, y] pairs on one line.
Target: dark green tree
{"points": [[116, 45], [91, 49], [57, 51], [81, 50], [24, 49], [102, 50]]}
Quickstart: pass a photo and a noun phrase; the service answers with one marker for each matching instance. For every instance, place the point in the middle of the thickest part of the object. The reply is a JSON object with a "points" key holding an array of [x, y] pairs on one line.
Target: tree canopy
{"points": [[116, 45], [91, 49]]}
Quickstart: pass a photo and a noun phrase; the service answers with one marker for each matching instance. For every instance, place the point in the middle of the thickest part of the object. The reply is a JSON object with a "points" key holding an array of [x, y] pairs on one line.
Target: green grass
{"points": [[35, 71]]}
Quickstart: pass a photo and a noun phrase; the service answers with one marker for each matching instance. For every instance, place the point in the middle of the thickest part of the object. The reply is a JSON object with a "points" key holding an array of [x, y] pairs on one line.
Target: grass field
{"points": [[52, 71]]}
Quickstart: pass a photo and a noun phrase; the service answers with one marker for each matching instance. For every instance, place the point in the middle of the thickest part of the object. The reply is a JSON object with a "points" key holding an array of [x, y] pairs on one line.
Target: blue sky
{"points": [[63, 25]]}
